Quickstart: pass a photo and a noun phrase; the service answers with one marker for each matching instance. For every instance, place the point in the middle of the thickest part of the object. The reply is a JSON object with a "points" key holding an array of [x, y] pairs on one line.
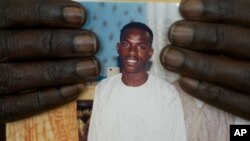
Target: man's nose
{"points": [[132, 50]]}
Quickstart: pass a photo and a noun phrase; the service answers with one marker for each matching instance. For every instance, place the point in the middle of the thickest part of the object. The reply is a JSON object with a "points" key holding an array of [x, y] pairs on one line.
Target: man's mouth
{"points": [[131, 60]]}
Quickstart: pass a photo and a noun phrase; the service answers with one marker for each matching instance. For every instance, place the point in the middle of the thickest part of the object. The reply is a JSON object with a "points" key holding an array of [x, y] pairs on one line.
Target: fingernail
{"points": [[191, 8], [88, 68], [74, 15], [86, 43], [188, 83], [71, 90], [172, 58], [181, 34]]}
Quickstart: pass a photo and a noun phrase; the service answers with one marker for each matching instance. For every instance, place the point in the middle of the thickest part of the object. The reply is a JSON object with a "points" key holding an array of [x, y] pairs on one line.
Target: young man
{"points": [[134, 105]]}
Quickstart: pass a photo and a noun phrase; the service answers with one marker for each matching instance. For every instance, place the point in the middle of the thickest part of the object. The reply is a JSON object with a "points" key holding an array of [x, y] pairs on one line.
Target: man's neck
{"points": [[134, 79]]}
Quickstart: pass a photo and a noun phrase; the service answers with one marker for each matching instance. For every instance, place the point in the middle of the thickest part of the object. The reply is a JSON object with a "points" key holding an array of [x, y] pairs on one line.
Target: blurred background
{"points": [[107, 18]]}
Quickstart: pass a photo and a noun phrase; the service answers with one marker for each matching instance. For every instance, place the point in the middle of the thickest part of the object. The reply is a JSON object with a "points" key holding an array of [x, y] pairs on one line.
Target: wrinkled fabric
{"points": [[150, 112], [204, 122]]}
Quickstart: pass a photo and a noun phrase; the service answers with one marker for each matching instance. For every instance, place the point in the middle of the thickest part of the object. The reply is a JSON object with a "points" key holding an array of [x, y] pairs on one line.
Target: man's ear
{"points": [[151, 51], [117, 47]]}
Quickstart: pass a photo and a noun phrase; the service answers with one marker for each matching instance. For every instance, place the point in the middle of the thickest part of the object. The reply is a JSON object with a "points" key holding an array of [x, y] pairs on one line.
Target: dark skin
{"points": [[45, 55], [134, 51], [210, 48]]}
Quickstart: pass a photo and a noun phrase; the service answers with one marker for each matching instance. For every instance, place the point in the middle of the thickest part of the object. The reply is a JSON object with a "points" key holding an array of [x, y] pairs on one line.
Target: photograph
{"points": [[106, 20]]}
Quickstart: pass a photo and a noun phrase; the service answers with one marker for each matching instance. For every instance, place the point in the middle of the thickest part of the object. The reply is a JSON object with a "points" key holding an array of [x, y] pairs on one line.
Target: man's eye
{"points": [[125, 44], [142, 47]]}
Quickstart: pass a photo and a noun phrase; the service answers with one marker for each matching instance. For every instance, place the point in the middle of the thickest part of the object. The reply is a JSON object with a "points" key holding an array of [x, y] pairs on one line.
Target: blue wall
{"points": [[106, 19]]}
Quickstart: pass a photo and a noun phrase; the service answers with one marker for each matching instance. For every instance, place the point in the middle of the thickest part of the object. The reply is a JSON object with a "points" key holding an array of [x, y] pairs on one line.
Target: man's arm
{"points": [[93, 133]]}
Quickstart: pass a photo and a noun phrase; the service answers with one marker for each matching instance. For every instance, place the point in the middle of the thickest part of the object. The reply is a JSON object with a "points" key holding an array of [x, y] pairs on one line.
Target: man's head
{"points": [[137, 25], [134, 47]]}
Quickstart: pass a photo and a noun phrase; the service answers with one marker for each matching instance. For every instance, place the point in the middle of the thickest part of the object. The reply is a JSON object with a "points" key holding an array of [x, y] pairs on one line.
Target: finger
{"points": [[234, 11], [55, 13], [25, 76], [222, 98], [217, 38], [39, 44], [214, 69], [22, 106]]}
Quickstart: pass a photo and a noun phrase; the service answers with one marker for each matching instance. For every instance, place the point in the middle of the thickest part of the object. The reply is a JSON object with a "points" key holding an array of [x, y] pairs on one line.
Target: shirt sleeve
{"points": [[180, 130], [176, 125], [92, 134]]}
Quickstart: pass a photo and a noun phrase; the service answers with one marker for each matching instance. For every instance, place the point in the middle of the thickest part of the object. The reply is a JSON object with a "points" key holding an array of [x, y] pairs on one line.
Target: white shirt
{"points": [[150, 112]]}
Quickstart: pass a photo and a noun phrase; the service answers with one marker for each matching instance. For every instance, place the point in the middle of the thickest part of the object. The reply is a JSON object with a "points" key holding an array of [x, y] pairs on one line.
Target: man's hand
{"points": [[211, 50], [44, 55]]}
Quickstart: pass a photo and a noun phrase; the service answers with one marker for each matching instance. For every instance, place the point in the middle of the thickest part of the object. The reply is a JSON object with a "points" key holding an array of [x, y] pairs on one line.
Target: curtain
{"points": [[160, 16]]}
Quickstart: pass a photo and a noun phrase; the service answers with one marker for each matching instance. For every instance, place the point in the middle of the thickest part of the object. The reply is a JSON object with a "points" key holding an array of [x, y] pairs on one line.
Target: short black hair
{"points": [[137, 25]]}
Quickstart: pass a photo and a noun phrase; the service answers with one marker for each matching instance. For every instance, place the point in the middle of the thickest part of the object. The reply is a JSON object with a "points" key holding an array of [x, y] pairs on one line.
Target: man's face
{"points": [[135, 50]]}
